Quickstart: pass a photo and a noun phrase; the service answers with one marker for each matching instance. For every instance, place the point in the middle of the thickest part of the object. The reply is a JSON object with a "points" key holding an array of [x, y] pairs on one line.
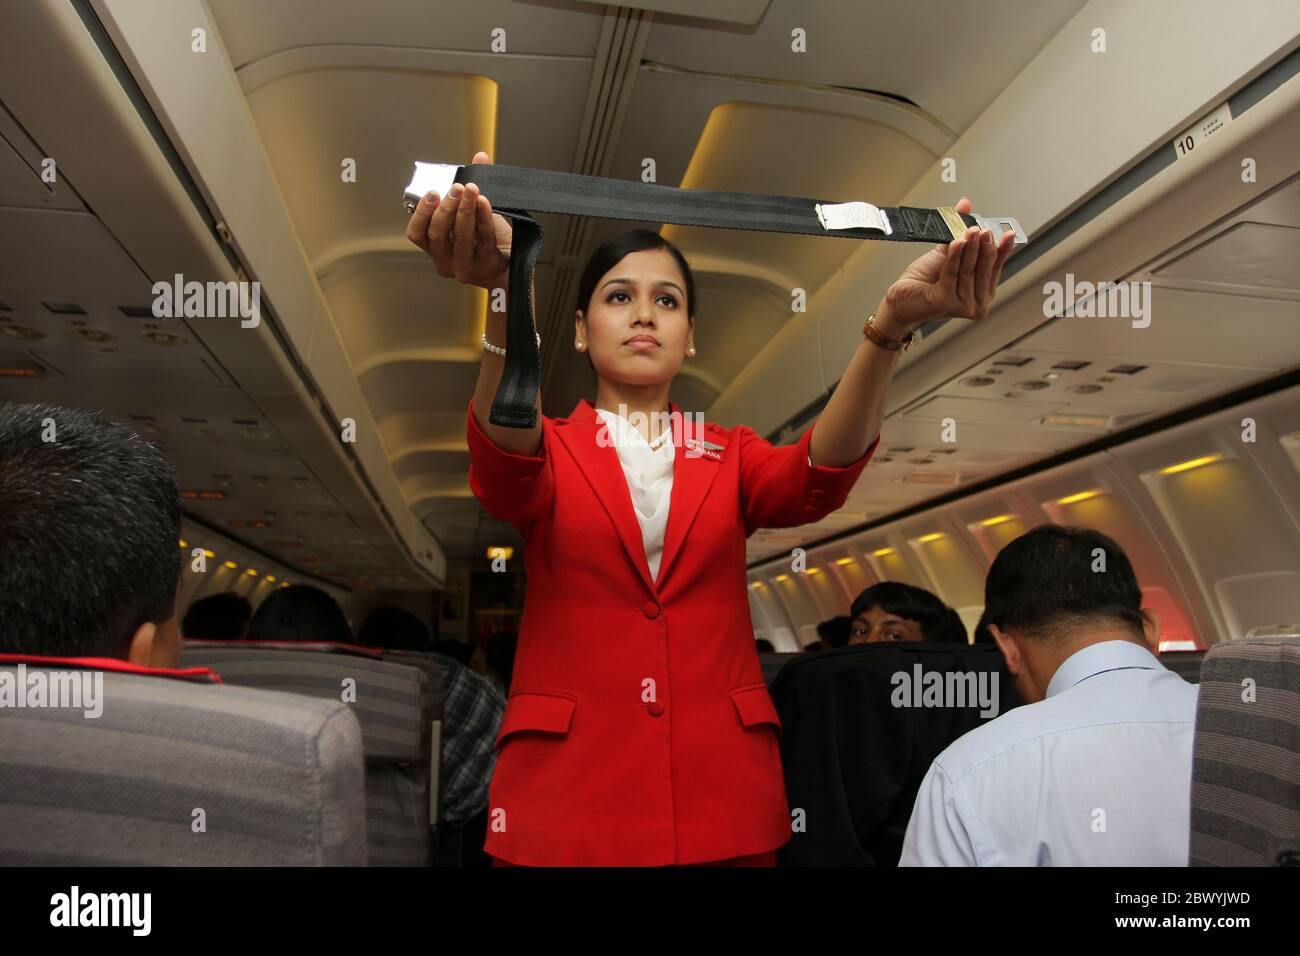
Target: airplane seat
{"points": [[392, 702], [1186, 664], [437, 675], [772, 662], [856, 740], [176, 769], [1246, 755]]}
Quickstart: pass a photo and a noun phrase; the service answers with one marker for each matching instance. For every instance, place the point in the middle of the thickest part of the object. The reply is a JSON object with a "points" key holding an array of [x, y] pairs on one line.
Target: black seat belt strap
{"points": [[516, 193]]}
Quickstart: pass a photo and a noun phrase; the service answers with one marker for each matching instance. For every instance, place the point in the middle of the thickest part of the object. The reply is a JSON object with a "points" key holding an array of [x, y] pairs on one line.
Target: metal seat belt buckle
{"points": [[427, 178], [999, 224]]}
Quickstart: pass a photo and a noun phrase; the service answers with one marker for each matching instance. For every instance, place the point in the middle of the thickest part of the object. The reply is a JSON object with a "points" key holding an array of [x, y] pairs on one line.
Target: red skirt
{"points": [[754, 859]]}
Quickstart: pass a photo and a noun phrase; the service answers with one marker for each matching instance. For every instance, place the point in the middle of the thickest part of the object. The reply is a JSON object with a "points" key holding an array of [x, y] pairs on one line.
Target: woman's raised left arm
{"points": [[958, 279]]}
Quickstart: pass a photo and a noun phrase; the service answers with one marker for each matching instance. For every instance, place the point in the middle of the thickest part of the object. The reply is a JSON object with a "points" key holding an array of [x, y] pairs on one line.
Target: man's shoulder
{"points": [[994, 738], [1157, 697]]}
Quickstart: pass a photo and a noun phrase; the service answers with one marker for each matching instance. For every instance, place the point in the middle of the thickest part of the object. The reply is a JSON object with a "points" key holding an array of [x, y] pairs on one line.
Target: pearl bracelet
{"points": [[500, 351]]}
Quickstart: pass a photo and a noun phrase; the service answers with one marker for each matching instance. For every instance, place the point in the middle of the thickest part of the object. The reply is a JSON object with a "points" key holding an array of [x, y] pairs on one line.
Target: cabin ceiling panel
{"points": [[17, 179], [1259, 257], [312, 122], [66, 257], [669, 114], [441, 461], [951, 60], [252, 29], [528, 130], [401, 307], [405, 432], [864, 159], [436, 484], [413, 386], [1185, 326]]}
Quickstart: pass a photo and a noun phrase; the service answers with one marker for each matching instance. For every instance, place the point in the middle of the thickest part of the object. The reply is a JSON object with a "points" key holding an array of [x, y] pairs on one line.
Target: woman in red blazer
{"points": [[638, 729]]}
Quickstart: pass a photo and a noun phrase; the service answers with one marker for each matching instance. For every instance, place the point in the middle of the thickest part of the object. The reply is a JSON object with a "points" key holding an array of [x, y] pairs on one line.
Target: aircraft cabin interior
{"points": [[1136, 376]]}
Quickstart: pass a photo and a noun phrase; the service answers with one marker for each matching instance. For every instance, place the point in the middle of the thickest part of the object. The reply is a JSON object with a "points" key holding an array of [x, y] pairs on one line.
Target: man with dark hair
{"points": [[1096, 769], [300, 612], [218, 617], [395, 629], [90, 518], [835, 632], [893, 611]]}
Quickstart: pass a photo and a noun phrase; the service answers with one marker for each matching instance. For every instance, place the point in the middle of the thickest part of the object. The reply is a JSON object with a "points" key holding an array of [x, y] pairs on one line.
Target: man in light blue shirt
{"points": [[1095, 769]]}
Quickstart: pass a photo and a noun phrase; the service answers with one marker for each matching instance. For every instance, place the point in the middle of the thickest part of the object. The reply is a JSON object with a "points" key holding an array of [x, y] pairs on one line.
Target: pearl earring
{"points": [[577, 344], [691, 350]]}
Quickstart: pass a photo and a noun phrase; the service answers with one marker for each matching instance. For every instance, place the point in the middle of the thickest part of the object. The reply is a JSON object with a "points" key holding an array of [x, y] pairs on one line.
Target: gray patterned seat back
{"points": [[392, 702], [1246, 757], [438, 696], [175, 773]]}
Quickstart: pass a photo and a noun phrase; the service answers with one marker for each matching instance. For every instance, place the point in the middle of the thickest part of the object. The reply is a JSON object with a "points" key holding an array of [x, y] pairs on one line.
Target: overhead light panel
{"points": [[1078, 496], [1189, 465], [1000, 519], [1076, 421]]}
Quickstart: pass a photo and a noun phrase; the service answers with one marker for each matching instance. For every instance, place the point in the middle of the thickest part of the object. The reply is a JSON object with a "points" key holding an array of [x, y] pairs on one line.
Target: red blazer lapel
{"points": [[693, 474], [604, 472]]}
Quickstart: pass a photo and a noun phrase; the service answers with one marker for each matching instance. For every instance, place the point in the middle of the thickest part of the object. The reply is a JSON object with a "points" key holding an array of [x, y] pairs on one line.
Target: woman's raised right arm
{"points": [[470, 243]]}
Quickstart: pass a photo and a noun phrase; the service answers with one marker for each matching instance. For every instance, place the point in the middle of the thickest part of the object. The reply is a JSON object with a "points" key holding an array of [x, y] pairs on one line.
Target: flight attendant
{"points": [[638, 729]]}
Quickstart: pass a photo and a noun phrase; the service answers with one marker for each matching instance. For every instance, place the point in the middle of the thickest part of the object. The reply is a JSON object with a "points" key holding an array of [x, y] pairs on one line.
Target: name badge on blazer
{"points": [[695, 448]]}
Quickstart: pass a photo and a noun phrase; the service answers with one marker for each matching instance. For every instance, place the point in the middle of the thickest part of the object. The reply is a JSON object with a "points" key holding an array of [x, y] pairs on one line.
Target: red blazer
{"points": [[639, 730]]}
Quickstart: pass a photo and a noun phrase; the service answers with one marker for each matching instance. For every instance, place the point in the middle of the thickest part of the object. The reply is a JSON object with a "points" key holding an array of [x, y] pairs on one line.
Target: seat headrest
{"points": [[320, 647], [197, 675]]}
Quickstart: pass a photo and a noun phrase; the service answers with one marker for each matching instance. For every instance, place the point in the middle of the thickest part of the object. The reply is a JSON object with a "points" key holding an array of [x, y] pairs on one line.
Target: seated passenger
{"points": [[220, 617], [498, 659], [90, 519], [300, 612], [1096, 769], [764, 646], [835, 632], [893, 611], [474, 709], [394, 629]]}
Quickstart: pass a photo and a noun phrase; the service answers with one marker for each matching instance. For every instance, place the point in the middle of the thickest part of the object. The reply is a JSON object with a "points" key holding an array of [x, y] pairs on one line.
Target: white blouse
{"points": [[649, 474]]}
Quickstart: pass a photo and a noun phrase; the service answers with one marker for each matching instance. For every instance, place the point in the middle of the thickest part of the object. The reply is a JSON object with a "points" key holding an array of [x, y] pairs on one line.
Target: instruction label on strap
{"points": [[852, 215]]}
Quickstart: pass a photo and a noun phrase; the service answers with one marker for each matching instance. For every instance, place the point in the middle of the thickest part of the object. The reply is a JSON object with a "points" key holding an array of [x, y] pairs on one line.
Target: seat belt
{"points": [[516, 193]]}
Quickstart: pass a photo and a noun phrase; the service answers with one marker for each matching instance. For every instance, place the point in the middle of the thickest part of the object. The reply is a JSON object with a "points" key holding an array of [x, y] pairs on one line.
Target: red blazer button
{"points": [[655, 708], [651, 610], [526, 480], [817, 493]]}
